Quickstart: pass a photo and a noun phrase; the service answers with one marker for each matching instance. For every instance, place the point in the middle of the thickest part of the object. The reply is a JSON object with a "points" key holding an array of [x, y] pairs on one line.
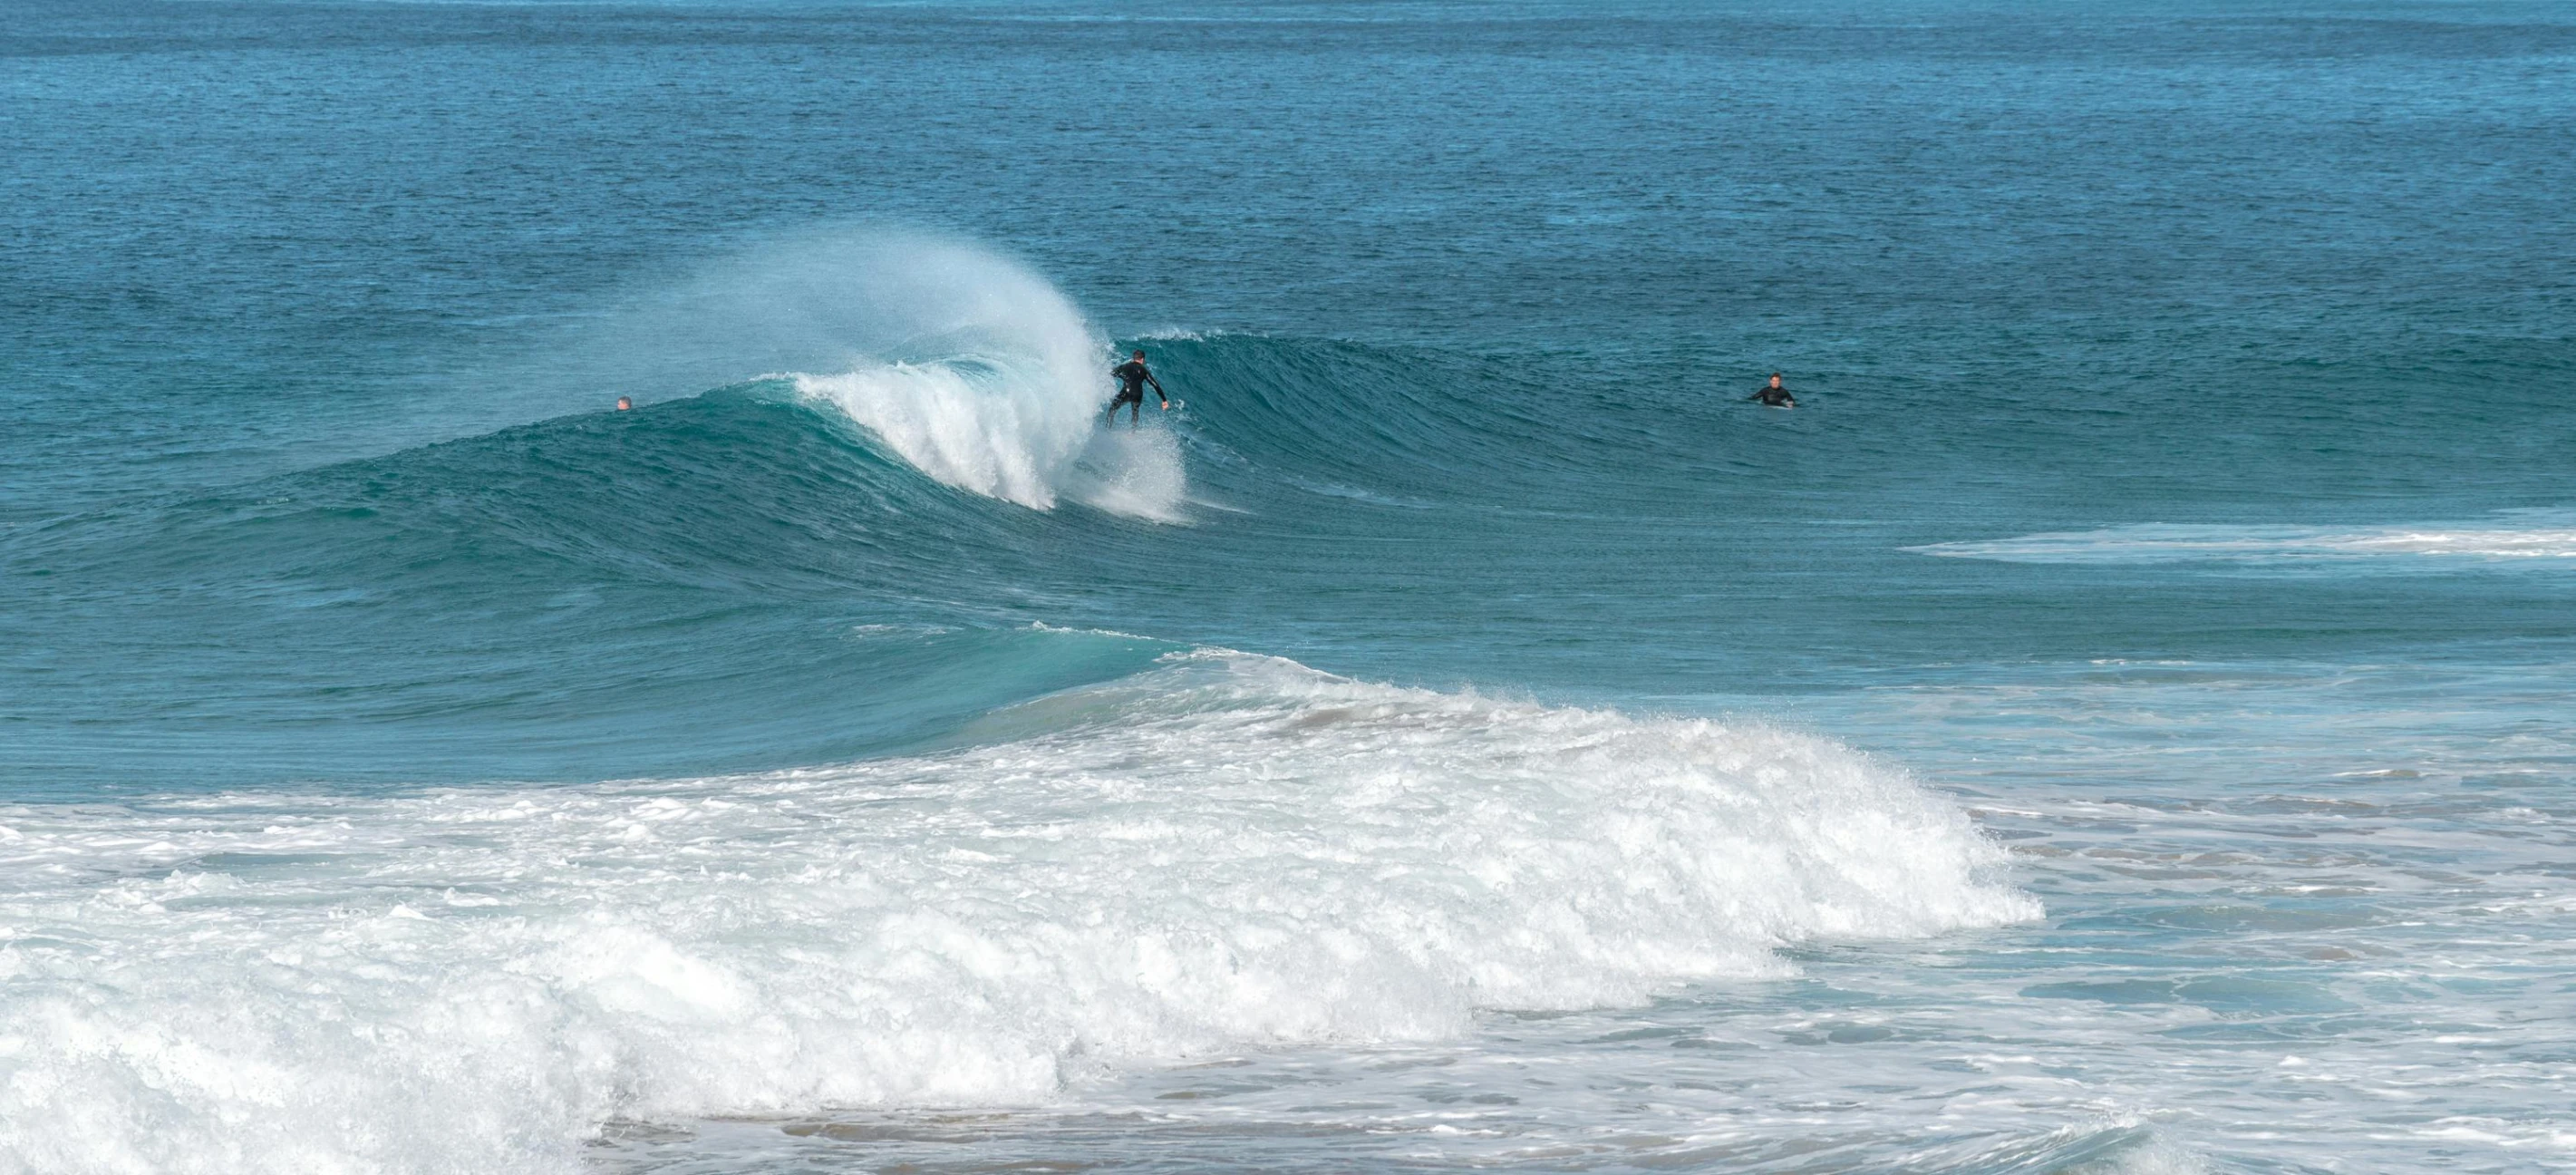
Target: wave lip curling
{"points": [[964, 364]]}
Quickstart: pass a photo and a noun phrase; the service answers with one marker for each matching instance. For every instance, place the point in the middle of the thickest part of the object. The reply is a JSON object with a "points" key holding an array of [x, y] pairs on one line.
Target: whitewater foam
{"points": [[1222, 853], [963, 363], [2544, 535], [979, 373], [1136, 472], [965, 425]]}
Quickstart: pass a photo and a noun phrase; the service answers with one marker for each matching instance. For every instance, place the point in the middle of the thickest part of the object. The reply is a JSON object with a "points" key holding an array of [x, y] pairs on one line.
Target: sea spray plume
{"points": [[961, 362]]}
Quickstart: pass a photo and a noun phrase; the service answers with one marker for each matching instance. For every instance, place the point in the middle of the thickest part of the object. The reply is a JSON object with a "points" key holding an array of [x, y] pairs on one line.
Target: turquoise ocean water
{"points": [[2118, 722]]}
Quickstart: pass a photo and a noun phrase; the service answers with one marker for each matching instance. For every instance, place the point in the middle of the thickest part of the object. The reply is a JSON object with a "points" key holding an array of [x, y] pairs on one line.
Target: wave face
{"points": [[1220, 852], [718, 583]]}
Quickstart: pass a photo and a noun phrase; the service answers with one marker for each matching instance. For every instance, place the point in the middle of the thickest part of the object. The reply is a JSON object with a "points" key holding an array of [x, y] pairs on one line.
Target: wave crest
{"points": [[2543, 534], [963, 363]]}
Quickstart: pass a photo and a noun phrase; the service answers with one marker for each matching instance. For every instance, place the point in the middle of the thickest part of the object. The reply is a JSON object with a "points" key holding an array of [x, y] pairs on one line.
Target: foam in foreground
{"points": [[1224, 853]]}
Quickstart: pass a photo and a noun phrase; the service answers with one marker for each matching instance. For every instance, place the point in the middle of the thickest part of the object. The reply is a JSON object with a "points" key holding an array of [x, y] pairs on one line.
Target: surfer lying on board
{"points": [[1132, 378], [1773, 395]]}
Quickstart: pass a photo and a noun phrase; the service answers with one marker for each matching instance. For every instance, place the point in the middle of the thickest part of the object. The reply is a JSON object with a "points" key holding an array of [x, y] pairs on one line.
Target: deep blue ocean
{"points": [[2121, 722]]}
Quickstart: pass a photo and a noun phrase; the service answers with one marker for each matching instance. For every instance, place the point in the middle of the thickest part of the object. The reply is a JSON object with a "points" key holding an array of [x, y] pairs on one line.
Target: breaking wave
{"points": [[1223, 851], [965, 364]]}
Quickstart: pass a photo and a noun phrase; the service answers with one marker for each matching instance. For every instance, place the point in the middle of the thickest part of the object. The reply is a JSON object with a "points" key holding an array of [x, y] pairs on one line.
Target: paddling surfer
{"points": [[1132, 378], [1773, 395]]}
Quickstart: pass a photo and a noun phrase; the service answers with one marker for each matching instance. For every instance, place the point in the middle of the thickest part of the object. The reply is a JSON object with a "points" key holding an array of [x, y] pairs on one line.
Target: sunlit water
{"points": [[2117, 723]]}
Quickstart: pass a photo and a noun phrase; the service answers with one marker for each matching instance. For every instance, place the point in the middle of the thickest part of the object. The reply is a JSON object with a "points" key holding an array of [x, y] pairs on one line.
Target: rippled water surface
{"points": [[2117, 722]]}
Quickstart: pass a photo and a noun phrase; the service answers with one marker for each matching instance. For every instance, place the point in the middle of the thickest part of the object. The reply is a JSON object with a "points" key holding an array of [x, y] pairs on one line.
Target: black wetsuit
{"points": [[1132, 378], [1776, 397]]}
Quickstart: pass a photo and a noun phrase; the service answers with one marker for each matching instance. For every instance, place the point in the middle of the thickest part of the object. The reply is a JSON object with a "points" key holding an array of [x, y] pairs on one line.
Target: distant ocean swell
{"points": [[1224, 851]]}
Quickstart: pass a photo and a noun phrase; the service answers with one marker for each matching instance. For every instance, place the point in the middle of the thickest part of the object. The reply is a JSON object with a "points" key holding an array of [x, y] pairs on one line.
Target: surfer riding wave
{"points": [[1132, 377]]}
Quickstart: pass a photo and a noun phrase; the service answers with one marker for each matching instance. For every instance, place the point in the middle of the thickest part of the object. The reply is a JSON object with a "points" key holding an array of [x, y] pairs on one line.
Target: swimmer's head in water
{"points": [[623, 403]]}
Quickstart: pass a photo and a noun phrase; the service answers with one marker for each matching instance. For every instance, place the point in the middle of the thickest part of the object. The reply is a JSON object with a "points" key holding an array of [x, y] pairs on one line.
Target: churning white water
{"points": [[1224, 853]]}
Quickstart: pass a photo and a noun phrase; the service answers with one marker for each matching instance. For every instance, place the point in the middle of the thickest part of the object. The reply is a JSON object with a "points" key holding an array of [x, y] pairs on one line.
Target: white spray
{"points": [[963, 363]]}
